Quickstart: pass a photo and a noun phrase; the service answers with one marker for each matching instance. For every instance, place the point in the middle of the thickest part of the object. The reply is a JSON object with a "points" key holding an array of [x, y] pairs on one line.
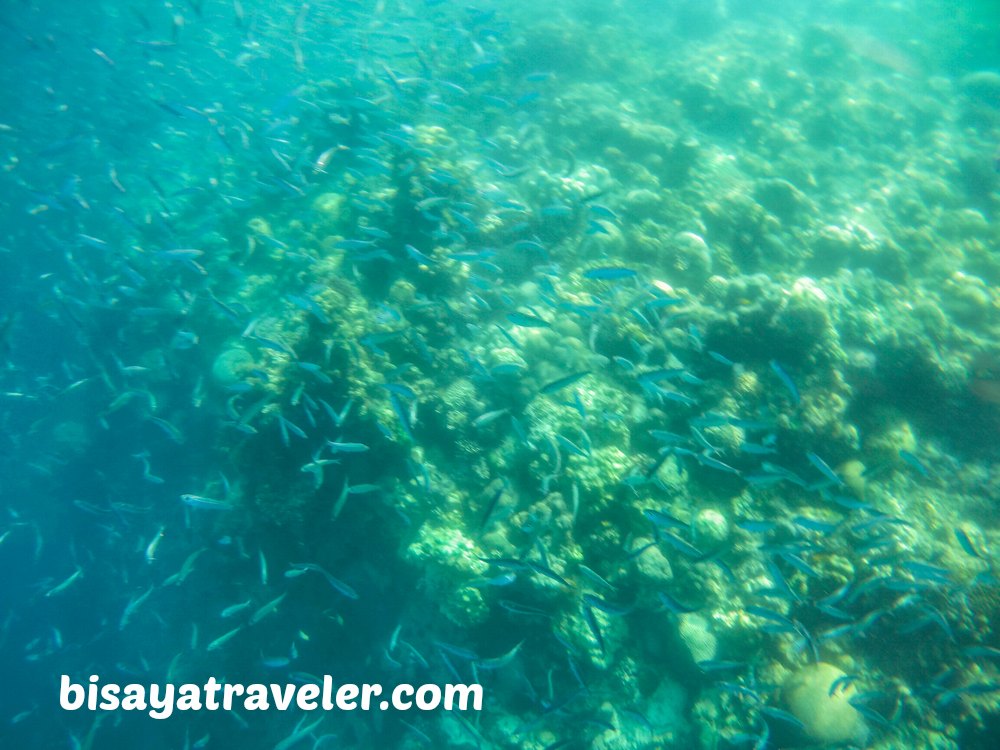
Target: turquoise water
{"points": [[638, 361]]}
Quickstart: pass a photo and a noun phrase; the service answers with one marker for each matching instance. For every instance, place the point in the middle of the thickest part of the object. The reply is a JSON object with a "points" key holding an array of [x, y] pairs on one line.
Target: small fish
{"points": [[491, 506], [572, 448], [527, 320], [516, 608], [782, 715], [595, 578], [405, 422], [812, 524], [915, 462], [837, 595], [609, 273], [680, 545], [262, 566], [605, 606], [488, 418], [268, 609], [694, 335], [656, 304], [153, 545], [966, 543], [73, 578], [663, 436], [851, 503], [205, 503], [982, 652], [755, 449], [770, 614], [507, 368], [354, 245], [501, 661], [800, 565], [713, 463], [673, 605], [548, 573], [719, 665], [172, 432], [626, 364], [927, 572], [824, 468], [223, 639], [676, 396], [461, 653], [756, 526], [664, 520], [235, 609], [133, 606], [557, 385], [588, 616], [530, 246], [335, 583], [786, 380], [842, 683], [301, 731], [504, 579], [336, 447]]}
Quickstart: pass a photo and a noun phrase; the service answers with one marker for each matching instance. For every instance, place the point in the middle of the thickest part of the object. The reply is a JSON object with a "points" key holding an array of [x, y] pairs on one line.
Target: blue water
{"points": [[629, 359]]}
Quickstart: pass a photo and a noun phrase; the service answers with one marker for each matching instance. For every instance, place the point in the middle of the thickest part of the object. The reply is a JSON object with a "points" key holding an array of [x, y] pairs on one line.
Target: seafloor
{"points": [[628, 358]]}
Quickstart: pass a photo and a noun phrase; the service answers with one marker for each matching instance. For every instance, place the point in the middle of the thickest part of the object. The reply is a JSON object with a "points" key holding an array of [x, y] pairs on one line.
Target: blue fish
{"points": [[401, 415], [603, 211], [721, 359], [605, 606], [755, 526], [719, 665], [664, 520], [507, 368], [800, 565], [595, 577], [656, 304], [915, 462], [564, 382], [337, 447], [966, 543], [680, 545], [417, 256], [527, 320], [712, 463], [927, 572], [812, 524], [674, 606], [400, 390], [772, 616], [824, 468], [354, 245], [786, 380], [609, 273], [571, 447], [782, 715], [588, 616]]}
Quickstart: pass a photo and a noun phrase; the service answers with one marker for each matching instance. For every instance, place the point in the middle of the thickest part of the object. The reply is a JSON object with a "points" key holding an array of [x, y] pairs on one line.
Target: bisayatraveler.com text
{"points": [[161, 700]]}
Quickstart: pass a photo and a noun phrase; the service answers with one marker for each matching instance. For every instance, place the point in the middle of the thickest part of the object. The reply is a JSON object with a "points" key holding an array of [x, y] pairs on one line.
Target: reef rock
{"points": [[829, 719]]}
